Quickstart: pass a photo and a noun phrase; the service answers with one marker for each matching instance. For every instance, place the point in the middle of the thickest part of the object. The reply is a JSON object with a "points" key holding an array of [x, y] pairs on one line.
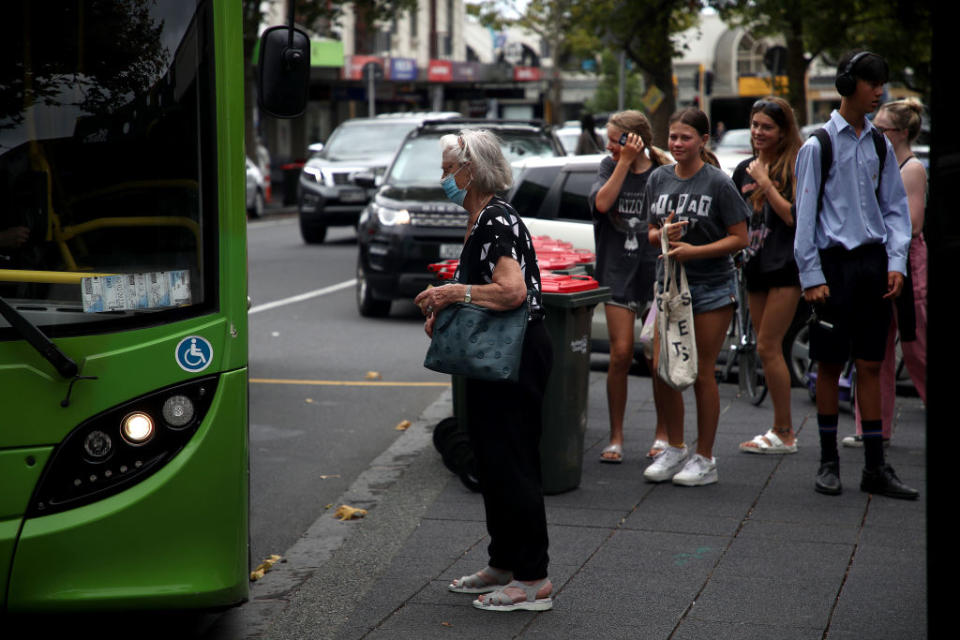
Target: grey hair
{"points": [[490, 169]]}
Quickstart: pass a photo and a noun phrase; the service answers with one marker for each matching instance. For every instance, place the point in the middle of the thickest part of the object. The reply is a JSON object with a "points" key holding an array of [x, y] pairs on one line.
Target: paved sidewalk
{"points": [[758, 555]]}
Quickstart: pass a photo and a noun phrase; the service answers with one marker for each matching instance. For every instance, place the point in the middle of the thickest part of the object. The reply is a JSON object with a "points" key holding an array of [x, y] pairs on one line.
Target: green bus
{"points": [[123, 292]]}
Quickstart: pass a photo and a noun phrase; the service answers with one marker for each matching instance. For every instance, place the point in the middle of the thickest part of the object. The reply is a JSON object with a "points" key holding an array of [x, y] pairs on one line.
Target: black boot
{"points": [[828, 478], [883, 481]]}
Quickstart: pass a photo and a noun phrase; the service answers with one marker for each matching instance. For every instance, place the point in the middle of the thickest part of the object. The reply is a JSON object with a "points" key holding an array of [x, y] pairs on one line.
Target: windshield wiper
{"points": [[60, 361]]}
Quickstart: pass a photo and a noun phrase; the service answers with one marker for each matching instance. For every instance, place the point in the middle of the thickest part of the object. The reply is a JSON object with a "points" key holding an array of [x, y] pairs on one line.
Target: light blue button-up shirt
{"points": [[853, 213]]}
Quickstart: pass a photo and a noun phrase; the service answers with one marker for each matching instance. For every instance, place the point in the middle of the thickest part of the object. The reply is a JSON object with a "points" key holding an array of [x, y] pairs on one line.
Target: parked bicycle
{"points": [[742, 349]]}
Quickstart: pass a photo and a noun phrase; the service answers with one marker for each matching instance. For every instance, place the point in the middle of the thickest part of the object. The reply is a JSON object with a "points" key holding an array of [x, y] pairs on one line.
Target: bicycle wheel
{"points": [[749, 376], [752, 384]]}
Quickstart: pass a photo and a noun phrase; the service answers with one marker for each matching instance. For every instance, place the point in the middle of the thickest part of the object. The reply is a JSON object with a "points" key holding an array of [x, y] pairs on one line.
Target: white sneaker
{"points": [[666, 464], [697, 472]]}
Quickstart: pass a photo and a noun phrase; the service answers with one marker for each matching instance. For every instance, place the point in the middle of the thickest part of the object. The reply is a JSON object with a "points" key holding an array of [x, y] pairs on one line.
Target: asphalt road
{"points": [[328, 387]]}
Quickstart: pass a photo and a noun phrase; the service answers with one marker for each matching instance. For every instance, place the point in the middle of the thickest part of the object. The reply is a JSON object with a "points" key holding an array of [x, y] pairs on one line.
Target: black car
{"points": [[328, 195], [410, 223]]}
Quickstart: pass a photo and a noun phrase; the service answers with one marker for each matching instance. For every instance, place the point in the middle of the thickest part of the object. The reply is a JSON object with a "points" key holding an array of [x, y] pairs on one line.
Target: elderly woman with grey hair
{"points": [[498, 269]]}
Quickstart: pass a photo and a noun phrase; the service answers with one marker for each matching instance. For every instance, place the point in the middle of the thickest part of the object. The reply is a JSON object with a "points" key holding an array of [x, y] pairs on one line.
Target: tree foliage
{"points": [[643, 29], [899, 30], [114, 55]]}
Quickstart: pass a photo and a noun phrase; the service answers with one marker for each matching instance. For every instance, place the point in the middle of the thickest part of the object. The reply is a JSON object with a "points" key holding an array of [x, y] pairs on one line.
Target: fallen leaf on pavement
{"points": [[373, 375], [264, 566], [403, 426], [345, 512]]}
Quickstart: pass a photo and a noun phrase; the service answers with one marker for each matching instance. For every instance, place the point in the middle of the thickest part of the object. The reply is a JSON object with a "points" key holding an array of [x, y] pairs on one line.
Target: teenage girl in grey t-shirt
{"points": [[708, 224], [625, 261]]}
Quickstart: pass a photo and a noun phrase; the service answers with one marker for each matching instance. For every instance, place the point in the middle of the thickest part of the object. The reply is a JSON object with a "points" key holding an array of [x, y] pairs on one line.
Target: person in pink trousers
{"points": [[900, 122]]}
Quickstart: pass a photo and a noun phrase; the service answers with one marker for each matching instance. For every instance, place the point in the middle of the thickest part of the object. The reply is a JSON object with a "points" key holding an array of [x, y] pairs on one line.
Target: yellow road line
{"points": [[348, 383]]}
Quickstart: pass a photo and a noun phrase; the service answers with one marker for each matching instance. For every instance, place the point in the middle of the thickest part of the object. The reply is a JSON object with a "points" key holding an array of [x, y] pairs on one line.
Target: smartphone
{"points": [[623, 139]]}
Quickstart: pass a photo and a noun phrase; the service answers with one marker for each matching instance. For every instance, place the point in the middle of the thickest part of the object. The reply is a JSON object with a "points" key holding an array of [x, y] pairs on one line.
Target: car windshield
{"points": [[107, 163], [418, 161], [363, 139]]}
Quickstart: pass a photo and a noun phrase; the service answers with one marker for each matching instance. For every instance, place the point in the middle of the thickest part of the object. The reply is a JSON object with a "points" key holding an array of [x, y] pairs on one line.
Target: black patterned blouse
{"points": [[499, 232]]}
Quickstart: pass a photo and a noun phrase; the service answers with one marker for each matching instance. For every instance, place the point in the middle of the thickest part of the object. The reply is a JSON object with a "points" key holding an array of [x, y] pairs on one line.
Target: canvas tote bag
{"points": [[678, 348]]}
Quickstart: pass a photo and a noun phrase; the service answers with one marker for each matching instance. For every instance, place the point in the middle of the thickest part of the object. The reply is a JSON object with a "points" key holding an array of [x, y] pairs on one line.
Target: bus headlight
{"points": [[137, 428], [98, 445], [178, 411], [121, 446]]}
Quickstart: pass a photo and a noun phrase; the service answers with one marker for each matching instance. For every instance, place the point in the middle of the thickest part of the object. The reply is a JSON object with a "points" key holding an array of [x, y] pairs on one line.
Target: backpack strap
{"points": [[826, 159], [881, 146]]}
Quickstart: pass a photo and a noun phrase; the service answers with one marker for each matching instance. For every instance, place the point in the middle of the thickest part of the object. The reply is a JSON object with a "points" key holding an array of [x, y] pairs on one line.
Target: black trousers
{"points": [[504, 420]]}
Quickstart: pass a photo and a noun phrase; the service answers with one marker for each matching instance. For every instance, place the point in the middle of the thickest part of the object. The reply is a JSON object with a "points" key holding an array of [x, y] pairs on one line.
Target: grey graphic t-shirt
{"points": [[709, 202], [625, 260]]}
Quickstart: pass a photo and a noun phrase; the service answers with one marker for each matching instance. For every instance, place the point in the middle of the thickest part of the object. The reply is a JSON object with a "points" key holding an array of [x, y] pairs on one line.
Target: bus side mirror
{"points": [[284, 72]]}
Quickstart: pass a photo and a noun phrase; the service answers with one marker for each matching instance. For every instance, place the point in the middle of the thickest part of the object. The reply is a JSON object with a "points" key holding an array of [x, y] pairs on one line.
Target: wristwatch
{"points": [[467, 297]]}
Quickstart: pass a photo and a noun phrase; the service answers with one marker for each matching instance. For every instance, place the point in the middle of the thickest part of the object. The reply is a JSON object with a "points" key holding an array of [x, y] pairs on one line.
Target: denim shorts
{"points": [[631, 306], [709, 296]]}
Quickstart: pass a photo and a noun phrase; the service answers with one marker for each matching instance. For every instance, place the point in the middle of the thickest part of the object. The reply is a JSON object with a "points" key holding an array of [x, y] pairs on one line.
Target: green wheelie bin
{"points": [[568, 302]]}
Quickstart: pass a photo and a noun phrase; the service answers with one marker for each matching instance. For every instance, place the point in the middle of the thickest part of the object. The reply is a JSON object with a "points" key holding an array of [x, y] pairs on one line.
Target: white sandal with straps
{"points": [[476, 583], [500, 600]]}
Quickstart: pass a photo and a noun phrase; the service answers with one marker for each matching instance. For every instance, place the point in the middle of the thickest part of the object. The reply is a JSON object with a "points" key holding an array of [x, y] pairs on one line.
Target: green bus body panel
{"points": [[178, 539], [19, 471], [127, 365]]}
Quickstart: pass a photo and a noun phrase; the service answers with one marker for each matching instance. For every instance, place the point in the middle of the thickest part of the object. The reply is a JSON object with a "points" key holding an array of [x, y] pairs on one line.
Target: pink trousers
{"points": [[914, 352]]}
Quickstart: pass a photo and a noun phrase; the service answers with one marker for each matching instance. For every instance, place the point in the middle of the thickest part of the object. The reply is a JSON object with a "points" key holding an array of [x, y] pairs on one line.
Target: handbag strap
{"points": [[669, 269]]}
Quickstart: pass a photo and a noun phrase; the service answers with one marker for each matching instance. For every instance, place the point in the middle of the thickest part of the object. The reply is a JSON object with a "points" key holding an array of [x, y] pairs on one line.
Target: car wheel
{"points": [[367, 305], [796, 351], [256, 210], [314, 233]]}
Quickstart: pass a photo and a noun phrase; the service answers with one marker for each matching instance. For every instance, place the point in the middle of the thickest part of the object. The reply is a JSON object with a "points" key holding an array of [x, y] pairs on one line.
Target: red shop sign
{"points": [[526, 74], [440, 71]]}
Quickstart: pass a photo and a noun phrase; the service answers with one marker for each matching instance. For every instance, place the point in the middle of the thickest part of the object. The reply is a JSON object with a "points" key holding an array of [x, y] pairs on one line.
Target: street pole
{"points": [[371, 96], [622, 92]]}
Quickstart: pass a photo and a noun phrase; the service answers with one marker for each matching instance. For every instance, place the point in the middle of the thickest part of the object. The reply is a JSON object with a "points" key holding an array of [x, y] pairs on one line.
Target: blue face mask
{"points": [[454, 193]]}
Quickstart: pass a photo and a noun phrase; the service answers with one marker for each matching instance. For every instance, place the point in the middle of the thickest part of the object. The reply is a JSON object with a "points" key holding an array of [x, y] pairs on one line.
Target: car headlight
{"points": [[389, 217], [316, 173]]}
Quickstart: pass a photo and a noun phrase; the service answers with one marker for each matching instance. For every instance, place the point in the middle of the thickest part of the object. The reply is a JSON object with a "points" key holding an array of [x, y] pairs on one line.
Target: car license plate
{"points": [[354, 195], [450, 251]]}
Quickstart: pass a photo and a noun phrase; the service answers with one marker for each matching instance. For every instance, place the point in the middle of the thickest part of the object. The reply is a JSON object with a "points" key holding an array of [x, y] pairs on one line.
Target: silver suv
{"points": [[328, 195]]}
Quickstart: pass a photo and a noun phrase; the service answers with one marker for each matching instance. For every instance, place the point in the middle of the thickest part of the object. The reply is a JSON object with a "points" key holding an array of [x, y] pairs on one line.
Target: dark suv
{"points": [[328, 195], [410, 223]]}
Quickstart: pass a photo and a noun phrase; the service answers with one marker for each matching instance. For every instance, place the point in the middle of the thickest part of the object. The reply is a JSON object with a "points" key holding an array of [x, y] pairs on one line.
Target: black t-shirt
{"points": [[776, 251], [626, 262], [499, 232]]}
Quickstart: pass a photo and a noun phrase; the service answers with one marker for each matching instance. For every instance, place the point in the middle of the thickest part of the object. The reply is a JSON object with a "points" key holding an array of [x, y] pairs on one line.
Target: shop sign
{"points": [[353, 70], [466, 71], [526, 74], [403, 69], [440, 71]]}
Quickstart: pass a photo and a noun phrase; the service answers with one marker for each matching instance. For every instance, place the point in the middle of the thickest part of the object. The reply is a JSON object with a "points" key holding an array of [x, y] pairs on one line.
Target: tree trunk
{"points": [[797, 73]]}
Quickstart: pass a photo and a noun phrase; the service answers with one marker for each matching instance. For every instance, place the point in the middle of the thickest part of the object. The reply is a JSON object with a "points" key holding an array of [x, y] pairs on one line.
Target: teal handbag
{"points": [[476, 342]]}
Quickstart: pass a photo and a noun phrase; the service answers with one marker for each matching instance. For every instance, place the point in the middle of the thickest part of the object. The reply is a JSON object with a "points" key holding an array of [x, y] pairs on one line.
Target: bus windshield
{"points": [[107, 163]]}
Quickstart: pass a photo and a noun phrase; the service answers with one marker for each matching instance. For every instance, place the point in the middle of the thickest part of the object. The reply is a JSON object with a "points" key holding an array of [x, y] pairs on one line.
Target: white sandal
{"points": [[772, 445], [479, 581], [499, 600], [616, 450]]}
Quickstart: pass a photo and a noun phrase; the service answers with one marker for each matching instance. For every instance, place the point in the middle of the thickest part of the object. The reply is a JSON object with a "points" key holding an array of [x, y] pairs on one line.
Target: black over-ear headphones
{"points": [[846, 83]]}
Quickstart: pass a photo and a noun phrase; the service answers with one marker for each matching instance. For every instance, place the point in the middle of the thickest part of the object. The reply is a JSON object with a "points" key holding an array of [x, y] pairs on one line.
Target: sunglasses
{"points": [[770, 108], [885, 129]]}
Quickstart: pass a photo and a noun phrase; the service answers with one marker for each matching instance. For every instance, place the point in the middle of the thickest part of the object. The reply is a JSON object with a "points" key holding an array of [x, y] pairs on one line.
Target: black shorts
{"points": [[856, 309], [762, 281]]}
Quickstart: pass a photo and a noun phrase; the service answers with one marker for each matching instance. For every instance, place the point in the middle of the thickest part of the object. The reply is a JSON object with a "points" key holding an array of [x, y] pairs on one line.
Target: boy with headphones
{"points": [[851, 250]]}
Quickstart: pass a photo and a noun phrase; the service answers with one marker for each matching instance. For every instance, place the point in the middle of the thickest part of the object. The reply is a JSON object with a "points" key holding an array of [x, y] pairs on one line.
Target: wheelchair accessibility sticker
{"points": [[194, 354]]}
